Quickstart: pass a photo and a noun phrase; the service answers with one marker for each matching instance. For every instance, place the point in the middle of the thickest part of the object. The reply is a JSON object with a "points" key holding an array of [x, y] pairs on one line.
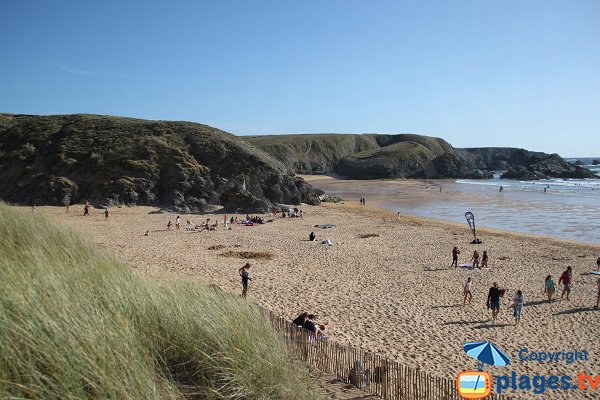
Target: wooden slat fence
{"points": [[370, 372]]}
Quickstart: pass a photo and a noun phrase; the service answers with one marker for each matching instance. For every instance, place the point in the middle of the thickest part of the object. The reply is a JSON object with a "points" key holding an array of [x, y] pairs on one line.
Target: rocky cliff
{"points": [[108, 160], [529, 165], [372, 156]]}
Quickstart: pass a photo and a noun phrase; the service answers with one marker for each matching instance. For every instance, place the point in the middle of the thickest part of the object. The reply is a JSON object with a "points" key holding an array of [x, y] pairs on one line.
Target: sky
{"points": [[476, 73]]}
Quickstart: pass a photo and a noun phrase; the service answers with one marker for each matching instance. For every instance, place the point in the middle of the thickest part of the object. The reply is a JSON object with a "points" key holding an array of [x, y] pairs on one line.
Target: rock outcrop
{"points": [[108, 160], [528, 165]]}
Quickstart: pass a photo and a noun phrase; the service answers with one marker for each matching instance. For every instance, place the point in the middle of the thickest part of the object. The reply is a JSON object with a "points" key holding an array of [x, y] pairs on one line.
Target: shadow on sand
{"points": [[464, 322], [577, 310], [491, 325], [448, 306]]}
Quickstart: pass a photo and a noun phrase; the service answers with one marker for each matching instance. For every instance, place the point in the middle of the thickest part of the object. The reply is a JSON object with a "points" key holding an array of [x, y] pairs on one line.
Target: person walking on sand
{"points": [[518, 301], [86, 210], [598, 264], [245, 278], [566, 279], [484, 260], [455, 253], [467, 291], [177, 222], [475, 259], [549, 287], [169, 225], [106, 214], [493, 300]]}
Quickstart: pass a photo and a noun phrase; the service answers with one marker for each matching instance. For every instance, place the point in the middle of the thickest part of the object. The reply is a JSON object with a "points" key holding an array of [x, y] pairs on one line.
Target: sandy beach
{"points": [[393, 293]]}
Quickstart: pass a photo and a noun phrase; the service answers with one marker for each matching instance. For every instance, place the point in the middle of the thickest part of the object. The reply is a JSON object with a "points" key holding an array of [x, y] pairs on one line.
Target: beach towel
{"points": [[467, 266], [325, 226]]}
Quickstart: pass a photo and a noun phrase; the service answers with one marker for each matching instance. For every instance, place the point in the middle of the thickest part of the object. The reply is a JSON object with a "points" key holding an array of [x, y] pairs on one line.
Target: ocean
{"points": [[568, 209]]}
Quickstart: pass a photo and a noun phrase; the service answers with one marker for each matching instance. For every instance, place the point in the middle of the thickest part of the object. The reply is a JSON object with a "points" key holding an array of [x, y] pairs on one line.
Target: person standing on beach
{"points": [[565, 279], [484, 260], [549, 287], [106, 214], [475, 259], [518, 301], [86, 210], [245, 278], [177, 222], [598, 264], [493, 300], [169, 225], [455, 253], [467, 291]]}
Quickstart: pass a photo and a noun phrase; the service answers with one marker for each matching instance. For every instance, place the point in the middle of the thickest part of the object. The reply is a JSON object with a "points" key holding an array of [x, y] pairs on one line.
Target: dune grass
{"points": [[76, 324]]}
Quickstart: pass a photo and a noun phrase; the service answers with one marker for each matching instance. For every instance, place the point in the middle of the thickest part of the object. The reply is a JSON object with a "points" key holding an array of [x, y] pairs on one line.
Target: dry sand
{"points": [[393, 294]]}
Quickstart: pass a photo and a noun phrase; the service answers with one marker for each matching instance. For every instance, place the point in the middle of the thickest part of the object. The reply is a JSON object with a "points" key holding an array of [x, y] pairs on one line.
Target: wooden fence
{"points": [[372, 373]]}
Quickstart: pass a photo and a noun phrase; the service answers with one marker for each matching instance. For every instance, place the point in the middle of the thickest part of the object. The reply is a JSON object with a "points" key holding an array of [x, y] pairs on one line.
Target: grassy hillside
{"points": [[370, 156], [402, 160], [312, 153], [64, 159], [74, 323]]}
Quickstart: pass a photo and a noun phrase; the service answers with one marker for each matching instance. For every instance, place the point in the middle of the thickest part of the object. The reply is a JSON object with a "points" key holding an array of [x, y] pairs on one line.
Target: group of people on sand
{"points": [[495, 293], [474, 259], [295, 213], [309, 322]]}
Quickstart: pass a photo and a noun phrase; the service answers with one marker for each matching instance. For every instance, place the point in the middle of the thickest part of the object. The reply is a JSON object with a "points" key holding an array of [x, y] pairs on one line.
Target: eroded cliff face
{"points": [[372, 156], [108, 160]]}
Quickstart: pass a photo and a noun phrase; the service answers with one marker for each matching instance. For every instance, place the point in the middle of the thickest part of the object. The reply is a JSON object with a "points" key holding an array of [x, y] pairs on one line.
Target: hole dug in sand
{"points": [[257, 255]]}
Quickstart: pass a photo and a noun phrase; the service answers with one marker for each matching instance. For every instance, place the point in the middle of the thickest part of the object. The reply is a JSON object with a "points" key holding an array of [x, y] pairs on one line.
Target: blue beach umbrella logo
{"points": [[486, 353]]}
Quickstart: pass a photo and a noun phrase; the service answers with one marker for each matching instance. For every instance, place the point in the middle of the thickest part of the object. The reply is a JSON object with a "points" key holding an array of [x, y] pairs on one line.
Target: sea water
{"points": [[566, 209]]}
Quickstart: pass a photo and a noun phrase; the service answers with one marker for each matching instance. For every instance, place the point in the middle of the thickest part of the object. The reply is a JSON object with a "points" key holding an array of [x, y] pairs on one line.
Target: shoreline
{"points": [[398, 195]]}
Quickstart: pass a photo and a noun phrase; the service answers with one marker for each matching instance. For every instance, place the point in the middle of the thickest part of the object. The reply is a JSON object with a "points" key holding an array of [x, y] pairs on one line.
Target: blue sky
{"points": [[476, 73]]}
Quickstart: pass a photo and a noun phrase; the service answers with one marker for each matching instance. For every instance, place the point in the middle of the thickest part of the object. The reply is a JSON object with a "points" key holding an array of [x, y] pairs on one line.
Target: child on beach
{"points": [[467, 291], [565, 279], [549, 288], [484, 260], [518, 301], [455, 253], [245, 278], [169, 225], [475, 259], [177, 222], [106, 214]]}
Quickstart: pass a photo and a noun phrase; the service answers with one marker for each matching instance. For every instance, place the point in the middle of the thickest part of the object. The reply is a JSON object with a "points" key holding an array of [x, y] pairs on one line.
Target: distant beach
{"points": [[567, 209]]}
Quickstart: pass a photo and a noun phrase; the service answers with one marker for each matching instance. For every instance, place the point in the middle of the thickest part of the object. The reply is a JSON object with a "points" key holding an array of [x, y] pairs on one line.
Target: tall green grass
{"points": [[74, 323]]}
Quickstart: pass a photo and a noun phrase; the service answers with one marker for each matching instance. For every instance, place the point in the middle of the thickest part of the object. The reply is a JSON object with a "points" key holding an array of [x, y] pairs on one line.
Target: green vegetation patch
{"points": [[74, 323]]}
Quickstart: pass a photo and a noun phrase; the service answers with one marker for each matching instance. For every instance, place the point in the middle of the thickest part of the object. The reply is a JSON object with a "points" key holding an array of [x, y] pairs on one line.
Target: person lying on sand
{"points": [[299, 321], [312, 237]]}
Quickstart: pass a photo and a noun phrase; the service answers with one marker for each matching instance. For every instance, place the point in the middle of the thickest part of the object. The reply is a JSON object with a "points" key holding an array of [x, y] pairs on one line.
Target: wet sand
{"points": [[393, 293]]}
